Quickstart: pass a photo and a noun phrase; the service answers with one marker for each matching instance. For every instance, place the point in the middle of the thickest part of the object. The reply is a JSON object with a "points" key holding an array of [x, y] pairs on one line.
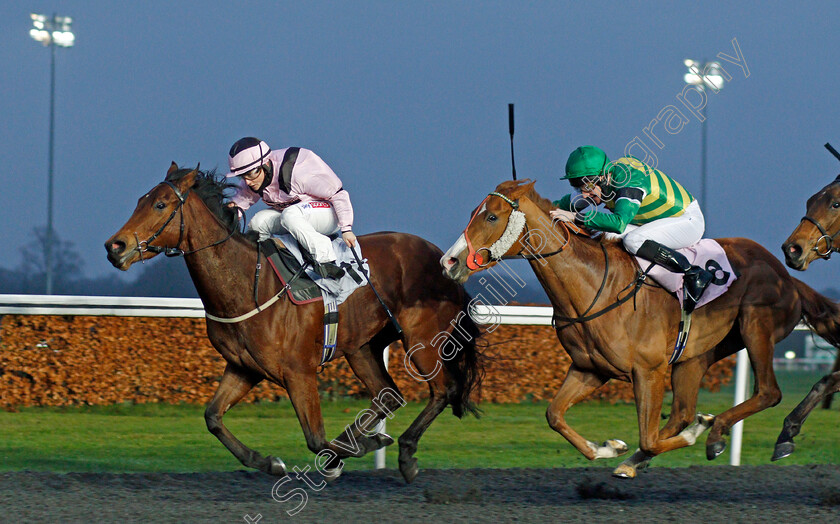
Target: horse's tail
{"points": [[467, 368], [821, 314]]}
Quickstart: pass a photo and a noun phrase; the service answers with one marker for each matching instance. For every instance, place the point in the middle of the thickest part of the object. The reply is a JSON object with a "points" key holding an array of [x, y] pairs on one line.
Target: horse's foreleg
{"points": [[577, 386], [828, 385], [649, 391], [235, 384]]}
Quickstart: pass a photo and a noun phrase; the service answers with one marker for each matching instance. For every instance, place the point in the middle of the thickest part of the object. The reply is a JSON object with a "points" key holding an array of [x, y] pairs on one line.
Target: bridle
{"points": [[515, 226], [829, 239], [144, 246], [516, 230]]}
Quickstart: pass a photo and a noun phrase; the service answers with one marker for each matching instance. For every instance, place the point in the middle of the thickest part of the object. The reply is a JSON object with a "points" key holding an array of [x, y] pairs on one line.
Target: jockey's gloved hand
{"points": [[349, 238]]}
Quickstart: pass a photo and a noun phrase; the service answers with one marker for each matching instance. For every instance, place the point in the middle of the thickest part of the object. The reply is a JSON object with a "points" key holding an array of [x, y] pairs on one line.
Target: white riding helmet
{"points": [[246, 154]]}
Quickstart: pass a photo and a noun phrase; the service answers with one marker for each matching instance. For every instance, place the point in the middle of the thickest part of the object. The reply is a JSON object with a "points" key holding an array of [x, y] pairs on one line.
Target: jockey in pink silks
{"points": [[305, 198]]}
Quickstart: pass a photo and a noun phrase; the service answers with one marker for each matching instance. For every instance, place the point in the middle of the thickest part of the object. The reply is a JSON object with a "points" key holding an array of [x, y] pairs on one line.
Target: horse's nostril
{"points": [[452, 262], [116, 247], [792, 249]]}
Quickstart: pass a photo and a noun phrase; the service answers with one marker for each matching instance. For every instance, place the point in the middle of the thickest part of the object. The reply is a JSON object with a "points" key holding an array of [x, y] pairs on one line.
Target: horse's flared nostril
{"points": [[792, 250], [115, 248], [451, 263]]}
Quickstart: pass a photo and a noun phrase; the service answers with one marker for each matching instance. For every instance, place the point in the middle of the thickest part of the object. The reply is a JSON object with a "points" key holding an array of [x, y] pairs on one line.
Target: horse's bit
{"points": [[829, 239]]}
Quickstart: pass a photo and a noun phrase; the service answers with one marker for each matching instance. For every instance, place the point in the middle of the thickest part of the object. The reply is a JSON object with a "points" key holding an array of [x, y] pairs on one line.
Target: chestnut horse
{"points": [[185, 215], [813, 238], [582, 275]]}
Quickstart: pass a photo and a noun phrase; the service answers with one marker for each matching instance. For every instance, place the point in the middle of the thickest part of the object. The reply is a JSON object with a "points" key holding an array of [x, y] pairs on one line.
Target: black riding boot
{"points": [[695, 279]]}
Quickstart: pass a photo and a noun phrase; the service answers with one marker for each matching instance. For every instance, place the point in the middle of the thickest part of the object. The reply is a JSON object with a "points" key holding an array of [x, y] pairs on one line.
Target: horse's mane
{"points": [[211, 188]]}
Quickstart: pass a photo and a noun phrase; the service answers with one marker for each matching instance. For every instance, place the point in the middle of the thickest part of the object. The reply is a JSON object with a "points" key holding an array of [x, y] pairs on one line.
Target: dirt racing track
{"points": [[768, 493]]}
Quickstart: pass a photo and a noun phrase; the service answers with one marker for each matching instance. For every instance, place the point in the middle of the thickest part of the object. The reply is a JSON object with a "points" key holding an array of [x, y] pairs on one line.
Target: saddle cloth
{"points": [[333, 290], [707, 254]]}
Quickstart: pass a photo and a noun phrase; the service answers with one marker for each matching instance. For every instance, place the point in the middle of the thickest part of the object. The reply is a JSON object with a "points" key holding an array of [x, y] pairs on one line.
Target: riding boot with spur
{"points": [[695, 279]]}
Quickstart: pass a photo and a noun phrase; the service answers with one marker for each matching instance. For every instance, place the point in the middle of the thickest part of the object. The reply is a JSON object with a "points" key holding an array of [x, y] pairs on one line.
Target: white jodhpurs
{"points": [[308, 222], [673, 232]]}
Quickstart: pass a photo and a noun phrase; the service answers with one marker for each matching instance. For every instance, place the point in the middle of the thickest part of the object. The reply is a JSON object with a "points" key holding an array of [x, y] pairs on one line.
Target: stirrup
{"points": [[702, 278], [328, 270]]}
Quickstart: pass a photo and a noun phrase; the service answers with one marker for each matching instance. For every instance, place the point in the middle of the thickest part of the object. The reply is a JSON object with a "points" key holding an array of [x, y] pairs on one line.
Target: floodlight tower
{"points": [[703, 75], [52, 32]]}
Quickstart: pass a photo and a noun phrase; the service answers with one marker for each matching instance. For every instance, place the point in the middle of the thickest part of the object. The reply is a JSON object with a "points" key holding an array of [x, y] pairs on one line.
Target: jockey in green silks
{"points": [[652, 213]]}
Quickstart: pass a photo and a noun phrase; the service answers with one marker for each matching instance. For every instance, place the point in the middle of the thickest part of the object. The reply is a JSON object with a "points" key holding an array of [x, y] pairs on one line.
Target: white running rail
{"points": [[193, 308]]}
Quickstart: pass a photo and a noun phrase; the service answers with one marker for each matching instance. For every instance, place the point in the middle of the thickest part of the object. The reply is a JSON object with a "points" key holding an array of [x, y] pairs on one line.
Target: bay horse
{"points": [[632, 340], [283, 342], [813, 238]]}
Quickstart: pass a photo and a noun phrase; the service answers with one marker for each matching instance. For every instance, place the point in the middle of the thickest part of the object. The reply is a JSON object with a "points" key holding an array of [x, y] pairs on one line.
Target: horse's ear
{"points": [[524, 188], [187, 181], [172, 169], [837, 179]]}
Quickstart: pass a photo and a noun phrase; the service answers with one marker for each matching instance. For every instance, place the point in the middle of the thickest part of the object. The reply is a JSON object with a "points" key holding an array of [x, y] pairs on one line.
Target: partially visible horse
{"points": [[813, 238], [632, 340], [185, 215]]}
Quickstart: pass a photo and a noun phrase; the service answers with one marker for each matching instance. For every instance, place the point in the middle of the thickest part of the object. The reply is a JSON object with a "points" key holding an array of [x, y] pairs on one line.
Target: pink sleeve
{"points": [[343, 209], [244, 197], [312, 176]]}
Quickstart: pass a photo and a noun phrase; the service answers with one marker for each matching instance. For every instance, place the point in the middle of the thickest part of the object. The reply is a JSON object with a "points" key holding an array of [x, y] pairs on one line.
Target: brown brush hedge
{"points": [[78, 360]]}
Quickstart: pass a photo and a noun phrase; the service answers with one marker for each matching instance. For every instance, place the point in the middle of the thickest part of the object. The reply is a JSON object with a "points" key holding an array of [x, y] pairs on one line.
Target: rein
{"points": [[144, 246], [829, 239], [474, 255]]}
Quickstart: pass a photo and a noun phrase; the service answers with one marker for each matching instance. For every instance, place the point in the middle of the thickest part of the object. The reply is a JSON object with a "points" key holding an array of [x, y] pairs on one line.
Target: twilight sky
{"points": [[407, 102]]}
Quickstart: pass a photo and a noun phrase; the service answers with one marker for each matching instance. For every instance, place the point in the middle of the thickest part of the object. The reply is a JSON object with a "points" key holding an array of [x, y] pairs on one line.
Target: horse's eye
{"points": [[491, 218], [835, 205], [160, 205]]}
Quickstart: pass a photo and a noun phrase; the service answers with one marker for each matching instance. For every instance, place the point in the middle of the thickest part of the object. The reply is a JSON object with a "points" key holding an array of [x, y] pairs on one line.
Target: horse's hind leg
{"points": [[427, 366], [757, 334], [826, 403], [685, 383], [235, 384], [828, 385], [369, 367], [577, 386]]}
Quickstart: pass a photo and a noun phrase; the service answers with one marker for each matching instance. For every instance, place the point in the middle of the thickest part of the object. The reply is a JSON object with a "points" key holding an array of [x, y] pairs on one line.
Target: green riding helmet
{"points": [[586, 161]]}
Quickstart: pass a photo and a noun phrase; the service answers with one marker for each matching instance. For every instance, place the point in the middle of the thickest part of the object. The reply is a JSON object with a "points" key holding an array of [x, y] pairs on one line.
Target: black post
{"points": [[510, 126], [832, 151]]}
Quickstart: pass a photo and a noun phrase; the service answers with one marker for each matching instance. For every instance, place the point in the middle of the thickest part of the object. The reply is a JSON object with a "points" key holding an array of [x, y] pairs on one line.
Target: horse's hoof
{"points": [[275, 466], [409, 470], [383, 439], [331, 474], [714, 449], [623, 471], [783, 449], [619, 446]]}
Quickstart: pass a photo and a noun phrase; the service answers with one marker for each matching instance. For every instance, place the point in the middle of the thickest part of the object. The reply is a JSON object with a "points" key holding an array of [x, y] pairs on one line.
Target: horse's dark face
{"points": [[486, 237], [807, 242], [150, 217]]}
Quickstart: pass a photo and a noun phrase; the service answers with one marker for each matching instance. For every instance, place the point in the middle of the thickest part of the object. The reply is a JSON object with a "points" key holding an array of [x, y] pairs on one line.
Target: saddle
{"points": [[303, 289]]}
